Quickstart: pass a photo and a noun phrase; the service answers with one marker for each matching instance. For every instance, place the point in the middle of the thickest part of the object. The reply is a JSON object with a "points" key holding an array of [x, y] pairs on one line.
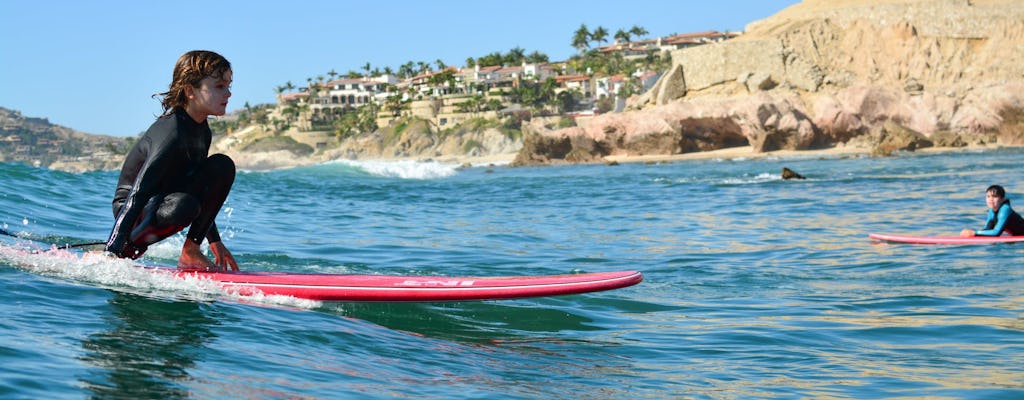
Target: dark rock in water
{"points": [[790, 174]]}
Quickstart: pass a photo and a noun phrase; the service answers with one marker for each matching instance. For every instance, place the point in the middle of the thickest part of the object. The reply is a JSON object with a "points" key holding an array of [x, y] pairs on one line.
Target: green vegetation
{"points": [[566, 122], [249, 115], [470, 145], [515, 56], [353, 122], [275, 143], [407, 126], [478, 103], [535, 95], [476, 124]]}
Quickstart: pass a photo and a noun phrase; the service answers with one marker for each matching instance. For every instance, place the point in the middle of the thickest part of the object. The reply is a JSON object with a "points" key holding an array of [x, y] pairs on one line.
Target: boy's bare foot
{"points": [[193, 259]]}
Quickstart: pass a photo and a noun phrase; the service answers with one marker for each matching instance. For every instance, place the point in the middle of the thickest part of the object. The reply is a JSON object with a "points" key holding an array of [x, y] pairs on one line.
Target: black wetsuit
{"points": [[168, 182]]}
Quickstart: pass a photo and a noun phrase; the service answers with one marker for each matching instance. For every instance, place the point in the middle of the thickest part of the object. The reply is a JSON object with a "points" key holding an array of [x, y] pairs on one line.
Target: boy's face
{"points": [[211, 97], [992, 200]]}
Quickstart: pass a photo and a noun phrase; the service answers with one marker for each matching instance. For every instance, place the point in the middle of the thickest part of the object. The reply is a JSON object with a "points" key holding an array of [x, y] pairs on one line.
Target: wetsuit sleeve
{"points": [[146, 184], [996, 222]]}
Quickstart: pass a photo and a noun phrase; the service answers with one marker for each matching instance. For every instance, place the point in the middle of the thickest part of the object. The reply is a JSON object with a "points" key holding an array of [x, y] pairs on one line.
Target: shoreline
{"points": [[279, 160], [732, 153]]}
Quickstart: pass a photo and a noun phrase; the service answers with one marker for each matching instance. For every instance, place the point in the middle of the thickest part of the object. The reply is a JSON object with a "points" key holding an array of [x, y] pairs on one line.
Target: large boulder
{"points": [[893, 137]]}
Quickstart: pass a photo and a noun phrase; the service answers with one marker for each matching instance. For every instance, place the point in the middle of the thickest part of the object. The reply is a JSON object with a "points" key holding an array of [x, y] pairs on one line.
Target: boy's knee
{"points": [[179, 209], [221, 164]]}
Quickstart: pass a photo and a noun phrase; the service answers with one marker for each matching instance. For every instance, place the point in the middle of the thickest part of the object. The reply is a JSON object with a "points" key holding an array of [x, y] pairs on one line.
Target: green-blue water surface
{"points": [[755, 287]]}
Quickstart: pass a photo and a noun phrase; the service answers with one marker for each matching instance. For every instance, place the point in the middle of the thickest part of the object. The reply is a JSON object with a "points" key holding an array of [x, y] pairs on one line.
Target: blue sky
{"points": [[94, 65]]}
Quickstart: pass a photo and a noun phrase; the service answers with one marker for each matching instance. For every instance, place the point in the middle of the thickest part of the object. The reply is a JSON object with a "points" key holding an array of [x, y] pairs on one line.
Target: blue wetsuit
{"points": [[168, 182], [1006, 220]]}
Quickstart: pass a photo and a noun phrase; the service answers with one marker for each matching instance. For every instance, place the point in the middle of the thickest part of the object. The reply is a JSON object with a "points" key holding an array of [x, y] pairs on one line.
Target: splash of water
{"points": [[127, 276]]}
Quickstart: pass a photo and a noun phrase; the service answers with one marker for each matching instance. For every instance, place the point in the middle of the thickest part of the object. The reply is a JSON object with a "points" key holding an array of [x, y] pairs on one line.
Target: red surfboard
{"points": [[955, 240], [410, 288]]}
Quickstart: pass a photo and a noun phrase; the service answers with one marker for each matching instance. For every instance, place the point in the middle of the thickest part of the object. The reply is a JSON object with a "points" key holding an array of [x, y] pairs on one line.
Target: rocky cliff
{"points": [[887, 74]]}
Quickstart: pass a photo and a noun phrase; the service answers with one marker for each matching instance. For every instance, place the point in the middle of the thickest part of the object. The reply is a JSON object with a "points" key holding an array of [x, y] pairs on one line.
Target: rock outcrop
{"points": [[419, 140], [413, 139], [822, 73]]}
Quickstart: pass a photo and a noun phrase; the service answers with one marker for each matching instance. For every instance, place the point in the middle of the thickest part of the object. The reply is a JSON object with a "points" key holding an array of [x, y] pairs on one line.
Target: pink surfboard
{"points": [[955, 240], [387, 288], [411, 288]]}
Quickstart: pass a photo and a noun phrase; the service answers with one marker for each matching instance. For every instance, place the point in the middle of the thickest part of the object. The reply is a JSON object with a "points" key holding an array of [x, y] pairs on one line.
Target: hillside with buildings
{"points": [[448, 112]]}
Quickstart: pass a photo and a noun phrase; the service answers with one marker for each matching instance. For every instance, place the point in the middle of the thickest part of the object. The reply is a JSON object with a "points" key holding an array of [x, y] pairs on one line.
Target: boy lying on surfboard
{"points": [[1001, 218]]}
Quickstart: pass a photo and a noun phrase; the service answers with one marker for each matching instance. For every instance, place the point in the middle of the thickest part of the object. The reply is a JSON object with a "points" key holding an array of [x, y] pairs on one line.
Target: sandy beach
{"points": [[740, 152]]}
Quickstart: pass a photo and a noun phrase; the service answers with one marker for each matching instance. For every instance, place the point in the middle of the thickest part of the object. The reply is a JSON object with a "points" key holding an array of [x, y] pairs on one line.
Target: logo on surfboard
{"points": [[436, 283]]}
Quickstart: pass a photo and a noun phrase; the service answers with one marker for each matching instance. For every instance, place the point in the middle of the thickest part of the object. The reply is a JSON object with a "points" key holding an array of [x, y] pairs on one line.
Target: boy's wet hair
{"points": [[996, 190]]}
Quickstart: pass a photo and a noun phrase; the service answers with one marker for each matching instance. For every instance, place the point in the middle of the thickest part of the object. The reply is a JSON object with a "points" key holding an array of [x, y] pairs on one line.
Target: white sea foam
{"points": [[762, 177], [732, 180], [403, 169], [125, 275]]}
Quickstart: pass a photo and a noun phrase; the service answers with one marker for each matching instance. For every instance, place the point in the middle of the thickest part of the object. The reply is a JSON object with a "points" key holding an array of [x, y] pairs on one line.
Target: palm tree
{"points": [[407, 70], [332, 73], [537, 57], [581, 39], [600, 35], [394, 104], [638, 31], [622, 36], [289, 85], [494, 58], [515, 56], [367, 67], [440, 64]]}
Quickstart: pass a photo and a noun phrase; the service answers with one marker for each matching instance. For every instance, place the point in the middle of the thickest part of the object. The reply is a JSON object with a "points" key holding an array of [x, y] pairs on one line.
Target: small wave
{"points": [[759, 178], [741, 180], [403, 169]]}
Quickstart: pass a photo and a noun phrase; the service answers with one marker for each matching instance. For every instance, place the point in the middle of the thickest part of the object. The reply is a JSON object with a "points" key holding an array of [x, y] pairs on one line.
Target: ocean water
{"points": [[755, 287]]}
